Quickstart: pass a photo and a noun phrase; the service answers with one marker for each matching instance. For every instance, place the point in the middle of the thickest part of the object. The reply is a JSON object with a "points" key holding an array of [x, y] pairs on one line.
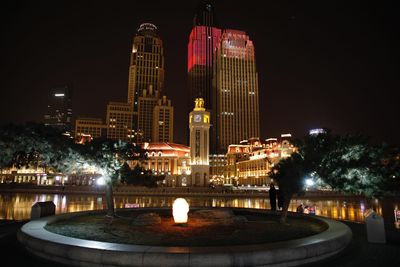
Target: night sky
{"points": [[328, 64]]}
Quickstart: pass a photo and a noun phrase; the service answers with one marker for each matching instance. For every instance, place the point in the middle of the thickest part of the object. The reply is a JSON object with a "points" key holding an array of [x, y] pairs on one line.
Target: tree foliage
{"points": [[351, 165], [346, 163], [23, 145], [139, 176]]}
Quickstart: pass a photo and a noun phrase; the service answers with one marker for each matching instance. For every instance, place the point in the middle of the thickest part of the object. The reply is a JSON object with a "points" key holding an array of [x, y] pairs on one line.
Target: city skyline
{"points": [[319, 64]]}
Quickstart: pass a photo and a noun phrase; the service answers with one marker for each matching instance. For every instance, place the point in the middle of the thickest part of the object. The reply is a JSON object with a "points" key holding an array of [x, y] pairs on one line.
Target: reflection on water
{"points": [[18, 206]]}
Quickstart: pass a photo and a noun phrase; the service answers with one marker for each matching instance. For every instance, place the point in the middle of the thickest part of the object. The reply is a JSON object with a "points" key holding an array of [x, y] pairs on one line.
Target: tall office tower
{"points": [[119, 121], [86, 129], [236, 86], [147, 64], [203, 40], [59, 109], [163, 121], [146, 103], [199, 126]]}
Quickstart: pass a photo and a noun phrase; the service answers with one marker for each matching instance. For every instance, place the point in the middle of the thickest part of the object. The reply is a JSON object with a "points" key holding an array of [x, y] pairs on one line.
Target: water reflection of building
{"points": [[249, 162], [18, 206], [169, 159]]}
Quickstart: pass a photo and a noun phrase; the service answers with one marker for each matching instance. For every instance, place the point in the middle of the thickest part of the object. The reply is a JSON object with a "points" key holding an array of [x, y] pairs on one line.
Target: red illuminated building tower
{"points": [[203, 40], [222, 71]]}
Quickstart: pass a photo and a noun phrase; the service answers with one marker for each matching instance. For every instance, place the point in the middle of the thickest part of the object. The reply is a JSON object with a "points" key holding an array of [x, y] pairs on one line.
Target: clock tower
{"points": [[199, 126]]}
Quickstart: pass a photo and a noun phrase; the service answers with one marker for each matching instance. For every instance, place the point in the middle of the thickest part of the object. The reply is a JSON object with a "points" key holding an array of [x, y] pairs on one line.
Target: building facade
{"points": [[146, 104], [163, 121], [146, 64], [199, 126], [86, 129], [119, 121], [236, 86], [169, 159], [249, 162], [59, 109]]}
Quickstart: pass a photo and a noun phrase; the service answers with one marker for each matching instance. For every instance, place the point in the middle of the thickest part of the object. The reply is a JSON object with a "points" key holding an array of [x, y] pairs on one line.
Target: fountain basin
{"points": [[82, 252]]}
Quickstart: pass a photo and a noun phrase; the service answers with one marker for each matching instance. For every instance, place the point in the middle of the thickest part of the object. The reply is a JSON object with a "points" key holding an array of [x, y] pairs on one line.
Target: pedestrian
{"points": [[281, 199], [300, 208], [272, 196]]}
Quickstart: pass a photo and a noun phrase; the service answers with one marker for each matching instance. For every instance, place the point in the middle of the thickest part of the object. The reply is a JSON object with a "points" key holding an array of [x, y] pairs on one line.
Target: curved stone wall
{"points": [[79, 252]]}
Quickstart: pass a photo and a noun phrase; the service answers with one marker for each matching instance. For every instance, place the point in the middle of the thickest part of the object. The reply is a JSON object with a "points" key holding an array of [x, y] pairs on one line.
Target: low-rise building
{"points": [[169, 159], [249, 162]]}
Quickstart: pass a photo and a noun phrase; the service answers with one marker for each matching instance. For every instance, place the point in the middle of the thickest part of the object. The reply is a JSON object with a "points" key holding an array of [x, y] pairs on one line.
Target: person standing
{"points": [[272, 196]]}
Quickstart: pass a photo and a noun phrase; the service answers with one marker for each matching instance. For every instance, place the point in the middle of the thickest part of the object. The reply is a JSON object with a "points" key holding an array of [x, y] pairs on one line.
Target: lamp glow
{"points": [[101, 181], [180, 209], [309, 182]]}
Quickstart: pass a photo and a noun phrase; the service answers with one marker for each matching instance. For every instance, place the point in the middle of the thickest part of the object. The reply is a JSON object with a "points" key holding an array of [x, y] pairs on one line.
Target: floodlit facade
{"points": [[86, 129], [169, 159], [163, 121], [236, 114], [119, 121], [199, 126], [249, 162]]}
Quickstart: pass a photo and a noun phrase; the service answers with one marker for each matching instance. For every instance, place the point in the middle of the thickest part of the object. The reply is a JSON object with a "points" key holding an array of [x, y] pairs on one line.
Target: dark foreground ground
{"points": [[358, 253]]}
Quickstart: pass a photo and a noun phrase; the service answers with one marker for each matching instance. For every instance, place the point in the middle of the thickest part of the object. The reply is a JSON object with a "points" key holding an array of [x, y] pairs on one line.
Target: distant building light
{"points": [[286, 135], [59, 95], [316, 131]]}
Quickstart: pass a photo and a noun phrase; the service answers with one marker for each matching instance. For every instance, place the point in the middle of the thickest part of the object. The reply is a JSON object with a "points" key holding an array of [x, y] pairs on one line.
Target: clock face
{"points": [[197, 118]]}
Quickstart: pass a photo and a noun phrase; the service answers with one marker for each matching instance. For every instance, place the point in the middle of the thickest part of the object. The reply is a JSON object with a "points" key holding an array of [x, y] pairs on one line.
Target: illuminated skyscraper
{"points": [[236, 87], [203, 40], [147, 64], [222, 70]]}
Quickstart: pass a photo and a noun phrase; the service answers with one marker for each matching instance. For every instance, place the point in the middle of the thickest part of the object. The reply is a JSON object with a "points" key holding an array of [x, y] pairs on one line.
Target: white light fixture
{"points": [[309, 182], [180, 209], [100, 181]]}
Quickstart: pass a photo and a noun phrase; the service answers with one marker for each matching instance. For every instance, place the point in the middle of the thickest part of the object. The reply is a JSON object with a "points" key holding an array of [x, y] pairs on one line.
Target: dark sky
{"points": [[326, 63]]}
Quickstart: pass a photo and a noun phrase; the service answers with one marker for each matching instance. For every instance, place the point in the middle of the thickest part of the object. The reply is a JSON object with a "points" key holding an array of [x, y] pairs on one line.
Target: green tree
{"points": [[108, 157], [350, 164]]}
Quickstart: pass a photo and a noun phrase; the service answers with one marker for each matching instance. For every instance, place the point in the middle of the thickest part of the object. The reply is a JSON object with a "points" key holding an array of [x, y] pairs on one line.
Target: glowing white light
{"points": [[180, 209], [59, 95], [57, 178], [101, 181], [316, 131], [309, 182]]}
